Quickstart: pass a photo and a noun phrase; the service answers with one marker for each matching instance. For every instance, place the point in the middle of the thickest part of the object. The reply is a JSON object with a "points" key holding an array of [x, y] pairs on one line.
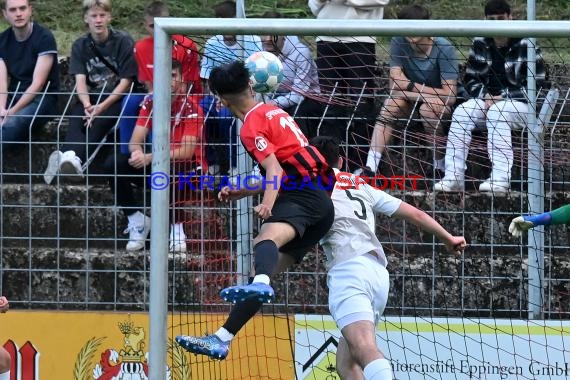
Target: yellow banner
{"points": [[104, 346]]}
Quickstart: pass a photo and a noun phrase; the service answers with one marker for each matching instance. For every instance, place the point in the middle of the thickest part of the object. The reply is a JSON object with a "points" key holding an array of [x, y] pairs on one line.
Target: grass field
{"points": [[65, 17]]}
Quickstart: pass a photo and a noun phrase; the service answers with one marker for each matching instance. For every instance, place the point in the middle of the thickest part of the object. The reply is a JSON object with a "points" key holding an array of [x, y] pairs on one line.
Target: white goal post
{"points": [[165, 27]]}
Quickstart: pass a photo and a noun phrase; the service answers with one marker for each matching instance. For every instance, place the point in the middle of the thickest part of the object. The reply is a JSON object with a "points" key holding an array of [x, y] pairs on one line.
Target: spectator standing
{"points": [[496, 82], [347, 68], [300, 86], [29, 73], [347, 63], [104, 67], [221, 129], [423, 71]]}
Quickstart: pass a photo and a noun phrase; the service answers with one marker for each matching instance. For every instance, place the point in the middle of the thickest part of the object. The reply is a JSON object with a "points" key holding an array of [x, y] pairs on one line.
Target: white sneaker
{"points": [[499, 186], [138, 229], [52, 166], [449, 185], [70, 164], [177, 238]]}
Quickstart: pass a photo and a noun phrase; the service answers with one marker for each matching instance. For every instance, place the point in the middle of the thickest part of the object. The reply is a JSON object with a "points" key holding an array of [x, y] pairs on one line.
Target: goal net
{"points": [[499, 311]]}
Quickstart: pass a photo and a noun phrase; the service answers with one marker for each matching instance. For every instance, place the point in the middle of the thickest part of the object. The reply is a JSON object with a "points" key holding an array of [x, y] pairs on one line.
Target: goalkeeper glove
{"points": [[519, 225]]}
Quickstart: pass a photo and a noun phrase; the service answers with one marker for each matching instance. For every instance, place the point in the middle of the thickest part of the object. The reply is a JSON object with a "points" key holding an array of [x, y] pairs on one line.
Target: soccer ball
{"points": [[265, 71]]}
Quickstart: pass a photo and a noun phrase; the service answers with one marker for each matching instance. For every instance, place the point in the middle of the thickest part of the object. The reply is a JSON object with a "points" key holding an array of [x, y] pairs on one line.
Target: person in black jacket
{"points": [[496, 81]]}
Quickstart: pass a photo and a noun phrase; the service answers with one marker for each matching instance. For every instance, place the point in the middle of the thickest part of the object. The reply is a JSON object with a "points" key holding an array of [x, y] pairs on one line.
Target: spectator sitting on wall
{"points": [[423, 71], [184, 50], [186, 154], [496, 82], [104, 67], [29, 74]]}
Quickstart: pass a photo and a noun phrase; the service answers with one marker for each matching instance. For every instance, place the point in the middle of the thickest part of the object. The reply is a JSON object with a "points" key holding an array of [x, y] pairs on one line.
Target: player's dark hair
{"points": [[231, 78], [329, 147], [497, 7], [225, 9], [414, 12]]}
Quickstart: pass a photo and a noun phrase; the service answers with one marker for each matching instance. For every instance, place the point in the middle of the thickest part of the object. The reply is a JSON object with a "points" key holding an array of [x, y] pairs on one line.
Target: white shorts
{"points": [[358, 290]]}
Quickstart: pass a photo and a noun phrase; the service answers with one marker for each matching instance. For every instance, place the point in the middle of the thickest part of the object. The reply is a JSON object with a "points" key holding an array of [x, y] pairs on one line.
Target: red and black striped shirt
{"points": [[268, 129]]}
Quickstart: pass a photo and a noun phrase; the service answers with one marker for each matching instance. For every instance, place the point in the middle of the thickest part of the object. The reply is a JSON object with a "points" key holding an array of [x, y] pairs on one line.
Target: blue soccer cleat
{"points": [[209, 345], [258, 291]]}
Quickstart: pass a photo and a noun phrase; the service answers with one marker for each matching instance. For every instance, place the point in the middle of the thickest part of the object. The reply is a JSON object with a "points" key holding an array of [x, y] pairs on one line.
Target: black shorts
{"points": [[309, 211]]}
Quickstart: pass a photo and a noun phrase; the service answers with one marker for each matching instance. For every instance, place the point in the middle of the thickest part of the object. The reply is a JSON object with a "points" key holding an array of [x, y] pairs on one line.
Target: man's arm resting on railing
{"points": [[121, 89], [82, 90], [40, 77]]}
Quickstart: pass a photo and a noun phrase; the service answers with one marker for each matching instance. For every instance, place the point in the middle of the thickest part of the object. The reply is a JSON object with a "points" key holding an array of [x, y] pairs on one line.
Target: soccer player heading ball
{"points": [[293, 222]]}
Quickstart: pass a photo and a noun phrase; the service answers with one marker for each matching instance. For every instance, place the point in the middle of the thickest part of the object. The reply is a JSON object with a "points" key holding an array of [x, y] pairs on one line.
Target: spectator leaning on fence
{"points": [[186, 154], [357, 278], [5, 359], [29, 75], [104, 67], [496, 81], [424, 73]]}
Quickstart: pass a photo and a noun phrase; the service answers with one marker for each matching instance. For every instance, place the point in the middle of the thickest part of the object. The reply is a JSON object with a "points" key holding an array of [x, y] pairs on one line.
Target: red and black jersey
{"points": [[268, 129]]}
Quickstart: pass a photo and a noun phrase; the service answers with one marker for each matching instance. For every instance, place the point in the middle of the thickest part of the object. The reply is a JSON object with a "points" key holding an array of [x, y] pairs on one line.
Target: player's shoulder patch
{"points": [[260, 143]]}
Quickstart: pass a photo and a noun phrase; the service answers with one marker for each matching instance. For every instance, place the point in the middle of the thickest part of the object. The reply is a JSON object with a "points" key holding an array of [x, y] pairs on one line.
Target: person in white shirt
{"points": [[357, 277]]}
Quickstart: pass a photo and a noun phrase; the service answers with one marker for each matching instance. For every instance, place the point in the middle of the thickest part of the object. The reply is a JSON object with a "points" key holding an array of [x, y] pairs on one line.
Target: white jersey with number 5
{"points": [[353, 231]]}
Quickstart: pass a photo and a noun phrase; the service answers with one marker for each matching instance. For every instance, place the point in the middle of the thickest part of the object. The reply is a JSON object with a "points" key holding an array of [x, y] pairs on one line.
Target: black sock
{"points": [[240, 314], [266, 255]]}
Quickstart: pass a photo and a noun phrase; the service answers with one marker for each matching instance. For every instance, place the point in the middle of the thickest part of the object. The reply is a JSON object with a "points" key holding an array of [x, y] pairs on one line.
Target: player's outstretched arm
{"points": [[523, 223], [453, 244]]}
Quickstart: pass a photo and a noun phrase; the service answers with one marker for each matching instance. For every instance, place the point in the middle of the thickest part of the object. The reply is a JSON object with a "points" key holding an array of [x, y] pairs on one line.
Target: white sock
{"points": [[5, 376], [373, 159], [222, 333], [439, 164], [379, 369], [261, 278]]}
